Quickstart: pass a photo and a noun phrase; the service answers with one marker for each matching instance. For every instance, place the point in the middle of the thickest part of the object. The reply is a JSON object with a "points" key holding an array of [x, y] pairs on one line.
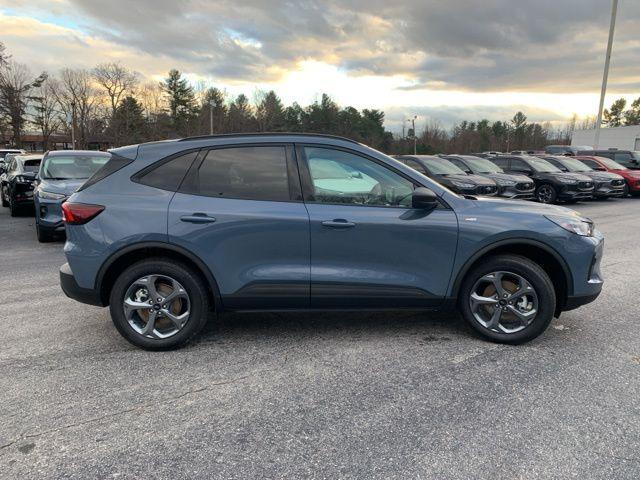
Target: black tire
{"points": [[44, 236], [13, 208], [193, 284], [5, 203], [625, 190], [532, 273], [553, 194]]}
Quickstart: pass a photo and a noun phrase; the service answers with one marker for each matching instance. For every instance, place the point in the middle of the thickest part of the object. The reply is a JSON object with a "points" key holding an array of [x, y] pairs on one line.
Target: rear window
{"points": [[250, 173], [32, 165], [114, 164], [72, 167]]}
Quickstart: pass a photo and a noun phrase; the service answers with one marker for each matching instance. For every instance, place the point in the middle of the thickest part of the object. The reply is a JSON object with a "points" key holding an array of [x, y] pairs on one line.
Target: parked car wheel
{"points": [[546, 194], [508, 299], [5, 202], [625, 191], [158, 304], [44, 236]]}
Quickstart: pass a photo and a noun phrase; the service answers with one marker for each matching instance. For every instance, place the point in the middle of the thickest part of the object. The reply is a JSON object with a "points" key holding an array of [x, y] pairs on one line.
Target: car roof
{"points": [[67, 153]]}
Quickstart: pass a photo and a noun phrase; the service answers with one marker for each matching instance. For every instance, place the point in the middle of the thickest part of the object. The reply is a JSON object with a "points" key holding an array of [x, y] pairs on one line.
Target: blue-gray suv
{"points": [[169, 233]]}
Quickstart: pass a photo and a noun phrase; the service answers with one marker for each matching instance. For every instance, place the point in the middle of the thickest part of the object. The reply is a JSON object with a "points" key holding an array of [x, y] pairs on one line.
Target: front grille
{"points": [[617, 183], [585, 185], [488, 190], [524, 186]]}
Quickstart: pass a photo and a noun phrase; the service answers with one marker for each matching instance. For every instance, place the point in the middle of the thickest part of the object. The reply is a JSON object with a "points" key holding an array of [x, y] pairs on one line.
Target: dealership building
{"points": [[622, 138]]}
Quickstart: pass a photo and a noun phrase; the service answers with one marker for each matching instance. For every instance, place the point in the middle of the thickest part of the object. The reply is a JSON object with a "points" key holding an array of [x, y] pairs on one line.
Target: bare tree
{"points": [[16, 83], [117, 81], [47, 113], [78, 95]]}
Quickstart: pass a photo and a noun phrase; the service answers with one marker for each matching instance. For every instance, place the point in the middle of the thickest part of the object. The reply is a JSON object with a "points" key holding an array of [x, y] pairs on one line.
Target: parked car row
{"points": [[44, 182], [545, 178]]}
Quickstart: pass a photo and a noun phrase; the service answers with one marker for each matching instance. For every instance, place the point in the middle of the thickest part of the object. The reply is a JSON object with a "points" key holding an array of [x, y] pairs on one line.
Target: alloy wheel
{"points": [[503, 302], [545, 194], [156, 306]]}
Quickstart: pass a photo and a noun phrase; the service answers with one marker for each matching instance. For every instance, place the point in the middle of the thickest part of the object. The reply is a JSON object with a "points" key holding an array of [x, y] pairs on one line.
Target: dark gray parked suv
{"points": [[166, 233]]}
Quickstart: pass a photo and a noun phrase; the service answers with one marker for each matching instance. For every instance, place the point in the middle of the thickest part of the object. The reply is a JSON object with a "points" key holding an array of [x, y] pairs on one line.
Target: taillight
{"points": [[79, 213]]}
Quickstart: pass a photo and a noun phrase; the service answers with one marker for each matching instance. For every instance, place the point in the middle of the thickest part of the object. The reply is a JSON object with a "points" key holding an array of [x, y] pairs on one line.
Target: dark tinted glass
{"points": [[461, 165], [112, 166], [251, 173], [416, 166], [169, 174], [623, 158], [519, 165], [501, 162]]}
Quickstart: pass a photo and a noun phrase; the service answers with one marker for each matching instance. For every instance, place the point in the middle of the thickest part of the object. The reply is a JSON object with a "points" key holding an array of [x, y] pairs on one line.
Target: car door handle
{"points": [[338, 223], [197, 218]]}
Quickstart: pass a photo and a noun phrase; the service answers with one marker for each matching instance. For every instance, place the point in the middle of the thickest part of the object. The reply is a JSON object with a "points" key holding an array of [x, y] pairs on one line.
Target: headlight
{"points": [[579, 226], [506, 183], [50, 195], [21, 179], [462, 184]]}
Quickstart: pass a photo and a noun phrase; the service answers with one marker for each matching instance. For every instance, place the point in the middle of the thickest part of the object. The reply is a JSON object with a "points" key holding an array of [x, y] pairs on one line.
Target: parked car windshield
{"points": [[542, 165], [481, 165], [574, 165], [442, 167], [612, 164], [72, 167]]}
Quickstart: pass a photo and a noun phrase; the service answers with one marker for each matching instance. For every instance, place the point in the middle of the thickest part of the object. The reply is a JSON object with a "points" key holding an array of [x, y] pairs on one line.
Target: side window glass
{"points": [[590, 163], [519, 166], [250, 173], [416, 166], [623, 158], [459, 164], [343, 177], [501, 162], [168, 175]]}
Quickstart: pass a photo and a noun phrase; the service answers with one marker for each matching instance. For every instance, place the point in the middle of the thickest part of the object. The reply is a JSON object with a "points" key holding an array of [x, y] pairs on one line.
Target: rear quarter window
{"points": [[167, 174], [114, 164]]}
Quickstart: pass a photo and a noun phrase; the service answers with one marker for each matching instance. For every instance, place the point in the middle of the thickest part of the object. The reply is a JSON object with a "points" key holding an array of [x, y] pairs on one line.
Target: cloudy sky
{"points": [[444, 60]]}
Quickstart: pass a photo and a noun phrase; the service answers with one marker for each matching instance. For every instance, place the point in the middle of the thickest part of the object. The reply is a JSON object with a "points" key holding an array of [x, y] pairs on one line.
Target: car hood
{"points": [[474, 179], [524, 207], [629, 173], [602, 176], [569, 176], [508, 176], [64, 187]]}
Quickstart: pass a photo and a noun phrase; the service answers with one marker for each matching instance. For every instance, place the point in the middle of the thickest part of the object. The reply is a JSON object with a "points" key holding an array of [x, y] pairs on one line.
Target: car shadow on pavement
{"points": [[434, 325]]}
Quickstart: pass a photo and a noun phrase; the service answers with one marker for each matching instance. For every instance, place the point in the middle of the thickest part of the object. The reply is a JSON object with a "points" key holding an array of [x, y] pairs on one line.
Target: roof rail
{"points": [[267, 134]]}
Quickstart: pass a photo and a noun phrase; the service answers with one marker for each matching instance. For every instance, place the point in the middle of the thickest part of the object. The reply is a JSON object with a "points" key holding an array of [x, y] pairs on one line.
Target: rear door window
{"points": [[501, 162], [249, 173]]}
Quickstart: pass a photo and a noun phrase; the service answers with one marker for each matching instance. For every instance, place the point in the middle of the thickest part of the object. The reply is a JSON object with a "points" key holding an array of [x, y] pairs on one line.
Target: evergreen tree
{"points": [[182, 103], [129, 122], [632, 116], [270, 113], [613, 117]]}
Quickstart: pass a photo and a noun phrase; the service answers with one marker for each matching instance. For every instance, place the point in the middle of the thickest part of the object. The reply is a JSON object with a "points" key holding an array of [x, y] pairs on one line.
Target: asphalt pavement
{"points": [[332, 395]]}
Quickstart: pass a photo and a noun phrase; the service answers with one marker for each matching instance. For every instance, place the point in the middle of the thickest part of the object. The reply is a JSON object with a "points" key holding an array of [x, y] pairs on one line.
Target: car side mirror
{"points": [[424, 198]]}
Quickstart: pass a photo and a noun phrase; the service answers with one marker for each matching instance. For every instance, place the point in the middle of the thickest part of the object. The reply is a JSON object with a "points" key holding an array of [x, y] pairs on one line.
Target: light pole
{"points": [[605, 76], [210, 117], [413, 129], [73, 125]]}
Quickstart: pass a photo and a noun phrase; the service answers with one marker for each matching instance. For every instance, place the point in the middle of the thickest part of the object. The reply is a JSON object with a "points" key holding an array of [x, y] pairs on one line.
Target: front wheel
{"points": [[159, 304], [625, 190], [13, 208], [508, 299], [546, 194], [5, 203]]}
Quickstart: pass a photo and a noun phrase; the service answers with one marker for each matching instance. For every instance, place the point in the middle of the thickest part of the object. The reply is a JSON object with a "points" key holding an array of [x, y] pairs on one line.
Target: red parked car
{"points": [[603, 164]]}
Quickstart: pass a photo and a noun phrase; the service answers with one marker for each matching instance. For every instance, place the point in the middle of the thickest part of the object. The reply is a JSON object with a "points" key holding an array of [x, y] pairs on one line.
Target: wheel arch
{"points": [[124, 257], [542, 254]]}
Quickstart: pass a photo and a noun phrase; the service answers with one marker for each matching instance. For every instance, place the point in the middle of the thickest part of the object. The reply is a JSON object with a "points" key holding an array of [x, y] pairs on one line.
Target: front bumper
{"points": [[590, 289], [568, 194], [72, 290], [49, 213], [519, 194], [606, 190]]}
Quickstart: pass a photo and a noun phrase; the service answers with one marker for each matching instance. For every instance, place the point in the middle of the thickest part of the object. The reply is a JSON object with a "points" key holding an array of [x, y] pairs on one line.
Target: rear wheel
{"points": [[508, 299], [546, 194], [159, 304]]}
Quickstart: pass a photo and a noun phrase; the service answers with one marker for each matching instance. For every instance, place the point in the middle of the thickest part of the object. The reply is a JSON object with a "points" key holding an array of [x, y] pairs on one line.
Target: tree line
{"points": [[113, 104]]}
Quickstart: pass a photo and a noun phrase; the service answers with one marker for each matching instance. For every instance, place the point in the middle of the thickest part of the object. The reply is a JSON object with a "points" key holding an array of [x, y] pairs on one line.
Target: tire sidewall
{"points": [[192, 283], [534, 274]]}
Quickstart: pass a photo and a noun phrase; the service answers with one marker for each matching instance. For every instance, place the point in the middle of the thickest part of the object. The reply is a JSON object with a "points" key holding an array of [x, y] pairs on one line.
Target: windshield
{"points": [[574, 165], [72, 167], [613, 165], [542, 165], [442, 167], [481, 165], [31, 165]]}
